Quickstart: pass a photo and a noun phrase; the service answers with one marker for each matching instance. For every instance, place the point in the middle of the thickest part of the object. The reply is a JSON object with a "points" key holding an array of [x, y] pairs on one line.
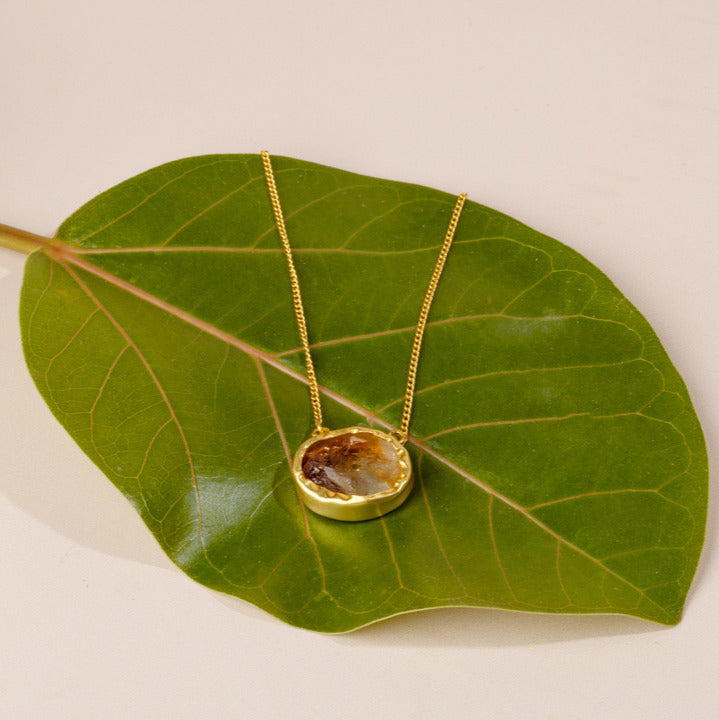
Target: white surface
{"points": [[595, 123]]}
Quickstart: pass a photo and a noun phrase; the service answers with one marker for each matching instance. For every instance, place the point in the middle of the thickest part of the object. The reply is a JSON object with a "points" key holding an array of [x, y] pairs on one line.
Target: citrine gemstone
{"points": [[356, 463]]}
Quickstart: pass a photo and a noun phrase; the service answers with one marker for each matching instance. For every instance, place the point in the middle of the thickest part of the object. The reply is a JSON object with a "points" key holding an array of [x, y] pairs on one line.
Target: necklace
{"points": [[354, 473]]}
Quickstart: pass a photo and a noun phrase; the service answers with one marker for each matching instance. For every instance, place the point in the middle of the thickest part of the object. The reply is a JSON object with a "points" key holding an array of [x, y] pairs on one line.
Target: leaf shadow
{"points": [[473, 627], [93, 514], [46, 475], [482, 627], [82, 507]]}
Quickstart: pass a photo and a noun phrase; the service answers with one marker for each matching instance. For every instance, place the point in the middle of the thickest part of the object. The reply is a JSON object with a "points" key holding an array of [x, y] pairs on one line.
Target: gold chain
{"points": [[403, 432], [423, 315], [296, 294]]}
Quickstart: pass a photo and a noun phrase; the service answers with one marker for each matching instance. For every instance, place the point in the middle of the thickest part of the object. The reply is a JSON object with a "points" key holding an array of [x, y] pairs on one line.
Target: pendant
{"points": [[355, 473]]}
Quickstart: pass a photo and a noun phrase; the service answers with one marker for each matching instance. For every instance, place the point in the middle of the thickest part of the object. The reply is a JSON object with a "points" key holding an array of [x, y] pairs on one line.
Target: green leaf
{"points": [[561, 467]]}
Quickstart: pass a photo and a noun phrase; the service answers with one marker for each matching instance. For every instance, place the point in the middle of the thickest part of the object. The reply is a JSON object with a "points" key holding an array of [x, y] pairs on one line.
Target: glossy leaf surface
{"points": [[560, 464]]}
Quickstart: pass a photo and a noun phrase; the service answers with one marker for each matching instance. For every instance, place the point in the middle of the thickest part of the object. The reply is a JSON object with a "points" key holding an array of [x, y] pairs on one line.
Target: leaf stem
{"points": [[22, 240]]}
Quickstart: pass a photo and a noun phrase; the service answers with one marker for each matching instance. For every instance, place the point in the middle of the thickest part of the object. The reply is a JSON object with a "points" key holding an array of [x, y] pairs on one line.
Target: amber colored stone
{"points": [[358, 463]]}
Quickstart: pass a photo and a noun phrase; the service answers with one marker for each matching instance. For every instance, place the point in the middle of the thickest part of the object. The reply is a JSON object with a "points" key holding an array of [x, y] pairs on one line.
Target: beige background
{"points": [[593, 122]]}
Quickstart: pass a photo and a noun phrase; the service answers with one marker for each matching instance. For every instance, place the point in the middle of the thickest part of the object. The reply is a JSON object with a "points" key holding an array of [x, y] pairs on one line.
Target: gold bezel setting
{"points": [[352, 508]]}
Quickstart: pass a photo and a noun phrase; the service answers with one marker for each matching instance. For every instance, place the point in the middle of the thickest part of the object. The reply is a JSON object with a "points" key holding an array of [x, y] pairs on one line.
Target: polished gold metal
{"points": [[340, 506], [322, 501]]}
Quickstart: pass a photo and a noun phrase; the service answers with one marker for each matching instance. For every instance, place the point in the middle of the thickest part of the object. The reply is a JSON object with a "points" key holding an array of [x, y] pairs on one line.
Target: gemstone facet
{"points": [[359, 463]]}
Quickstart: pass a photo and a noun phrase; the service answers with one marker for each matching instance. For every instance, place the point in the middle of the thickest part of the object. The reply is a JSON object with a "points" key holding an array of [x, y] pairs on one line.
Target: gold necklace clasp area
{"points": [[355, 473]]}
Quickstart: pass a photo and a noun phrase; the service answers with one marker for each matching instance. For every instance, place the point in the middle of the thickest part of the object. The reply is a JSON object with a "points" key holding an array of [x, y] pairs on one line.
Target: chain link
{"points": [[296, 294], [424, 314], [402, 434]]}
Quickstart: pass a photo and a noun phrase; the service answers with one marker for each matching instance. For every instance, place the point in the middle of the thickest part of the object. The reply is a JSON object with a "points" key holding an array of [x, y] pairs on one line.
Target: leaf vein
{"points": [[490, 527], [273, 362], [150, 196], [123, 332], [283, 439], [433, 525]]}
